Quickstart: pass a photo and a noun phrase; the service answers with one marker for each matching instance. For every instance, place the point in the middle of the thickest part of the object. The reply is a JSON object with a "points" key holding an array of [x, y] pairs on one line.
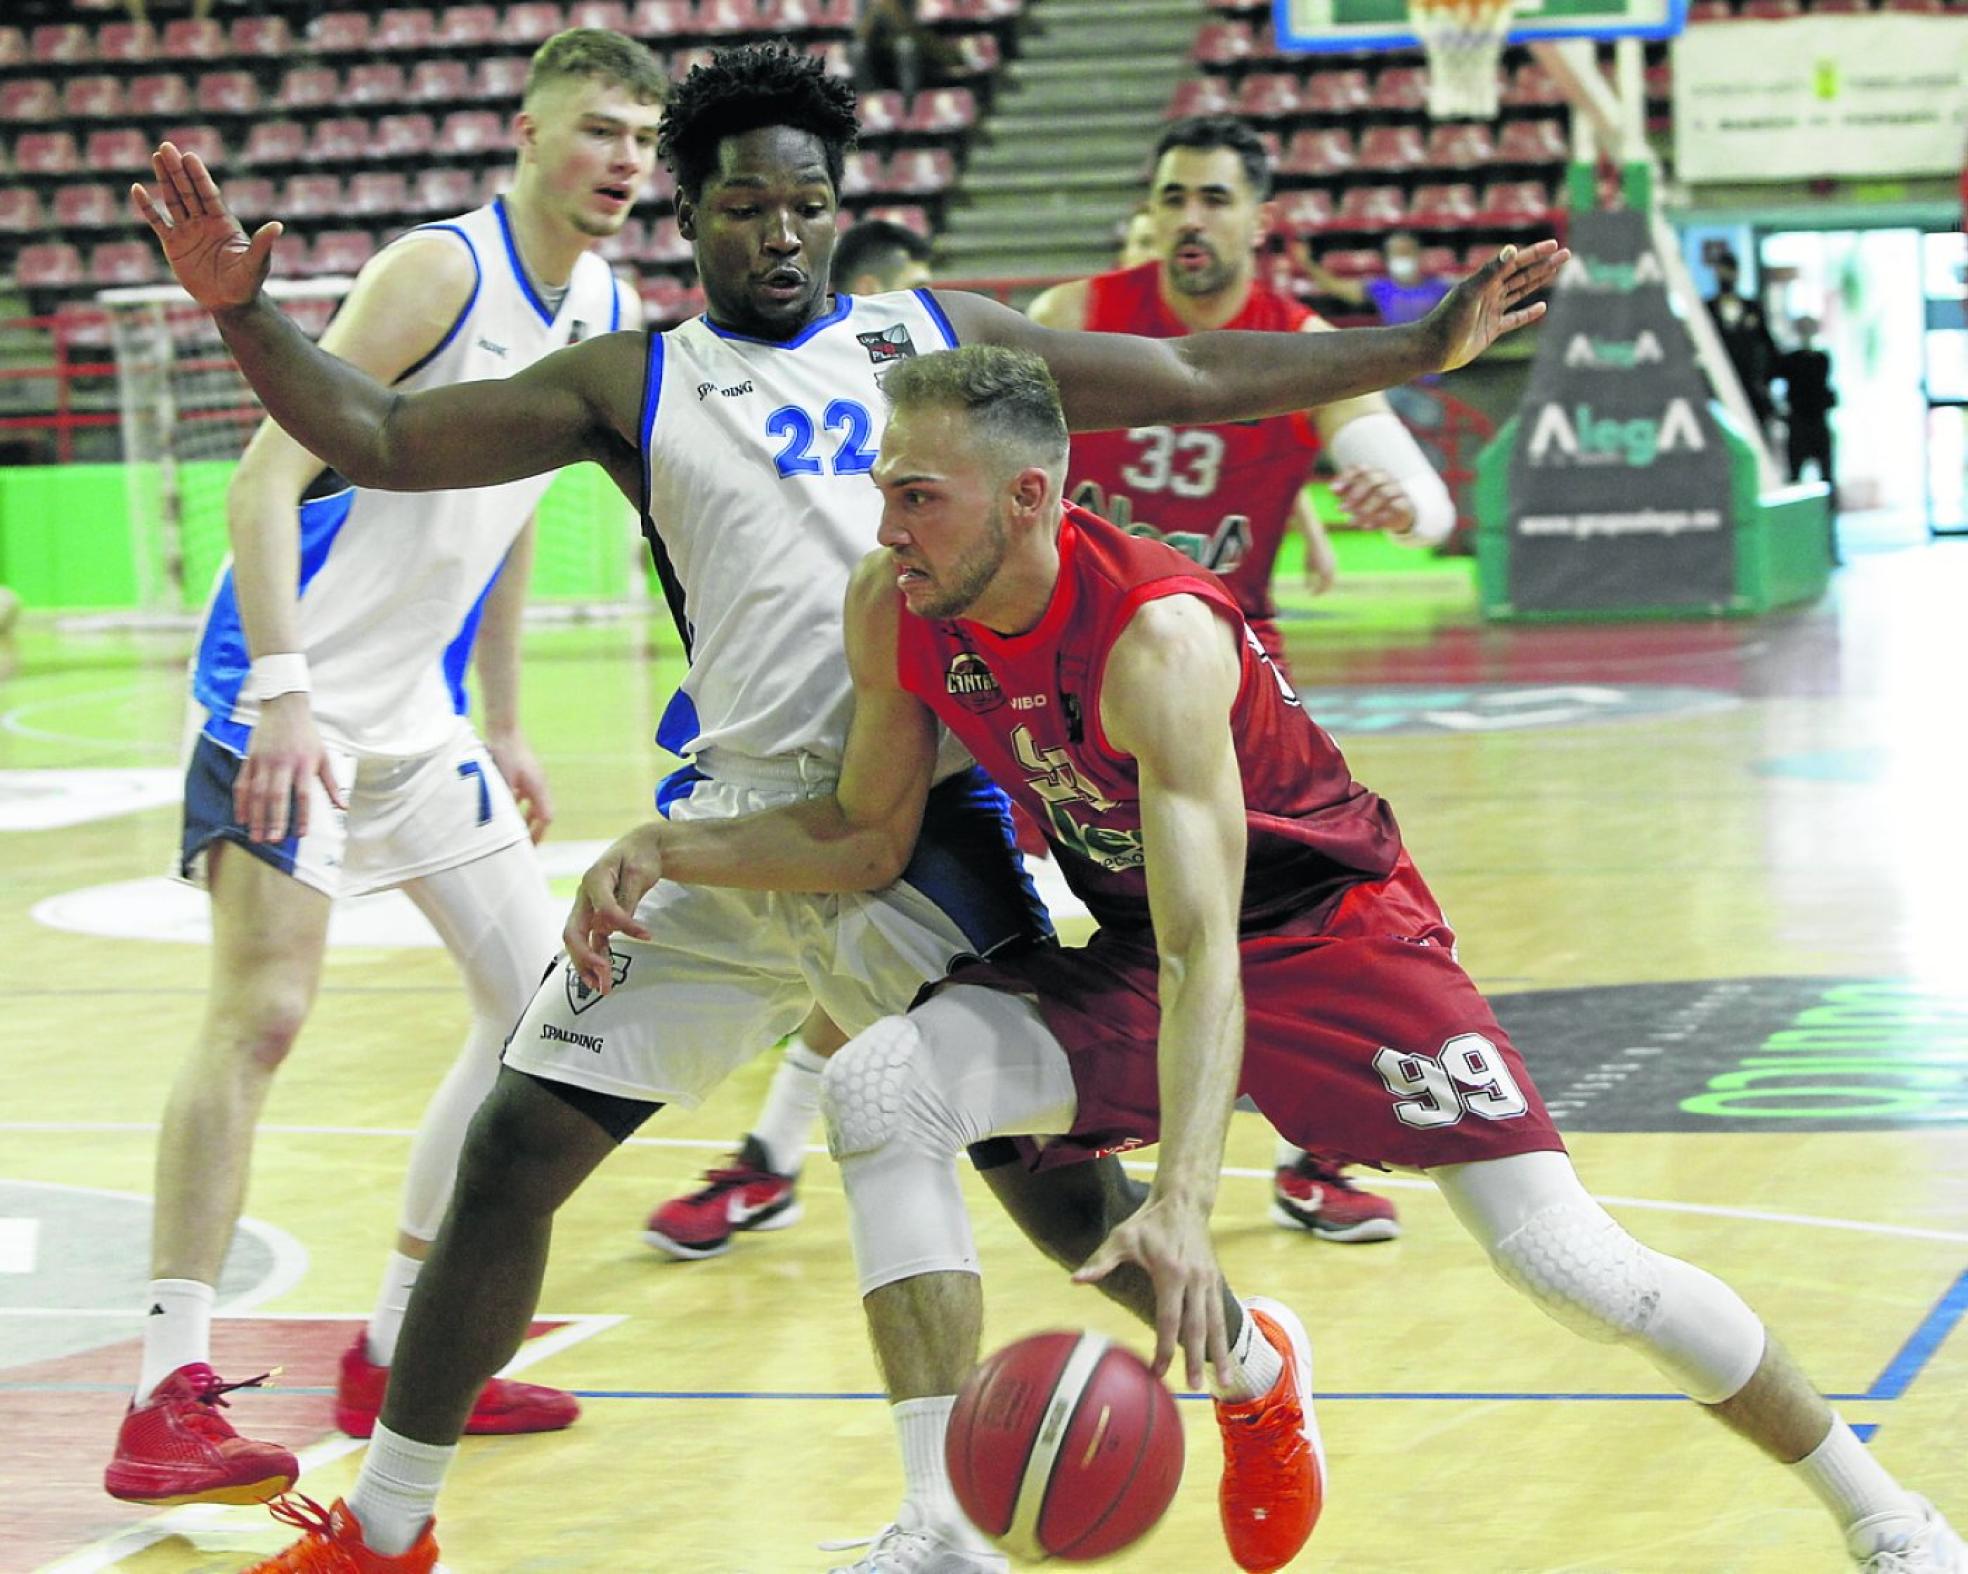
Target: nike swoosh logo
{"points": [[743, 1213]]}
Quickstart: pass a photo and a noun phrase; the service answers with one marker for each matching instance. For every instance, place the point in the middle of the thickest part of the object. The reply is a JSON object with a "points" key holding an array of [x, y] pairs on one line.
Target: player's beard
{"points": [[957, 591], [1214, 276]]}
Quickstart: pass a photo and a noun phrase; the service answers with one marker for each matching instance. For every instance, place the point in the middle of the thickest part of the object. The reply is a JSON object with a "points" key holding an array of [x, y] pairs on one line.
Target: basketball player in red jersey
{"points": [[1228, 494], [1260, 926]]}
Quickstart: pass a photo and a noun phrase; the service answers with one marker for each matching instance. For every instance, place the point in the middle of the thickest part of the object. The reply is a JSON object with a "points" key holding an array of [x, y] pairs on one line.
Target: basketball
{"points": [[1064, 1445]]}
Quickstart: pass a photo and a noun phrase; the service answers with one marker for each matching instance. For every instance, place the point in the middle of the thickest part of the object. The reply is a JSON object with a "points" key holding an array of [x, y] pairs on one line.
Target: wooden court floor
{"points": [[1712, 873]]}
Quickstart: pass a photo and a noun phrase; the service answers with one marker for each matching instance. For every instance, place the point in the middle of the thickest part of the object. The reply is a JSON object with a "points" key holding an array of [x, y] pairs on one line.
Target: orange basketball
{"points": [[1064, 1445]]}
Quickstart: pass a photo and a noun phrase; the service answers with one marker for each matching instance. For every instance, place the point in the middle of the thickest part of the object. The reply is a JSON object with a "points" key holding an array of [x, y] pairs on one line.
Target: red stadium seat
{"points": [[192, 38], [467, 27], [47, 153], [837, 16], [502, 77], [1533, 142], [228, 93], [1460, 145], [376, 192], [790, 16], [921, 171], [1772, 10], [1659, 77], [1371, 208], [492, 182], [343, 140], [1320, 150], [1305, 212], [1443, 207], [339, 33], [1514, 204], [658, 20], [123, 262], [262, 37], [438, 82], [63, 42], [251, 197], [124, 149], [125, 42], [830, 52], [943, 110], [1916, 7], [374, 84], [666, 243], [1355, 262], [29, 98], [862, 176], [1224, 42], [93, 98], [978, 54], [471, 131], [883, 113], [1268, 95], [1532, 84], [48, 265], [1438, 262], [310, 316], [612, 15], [724, 18], [276, 142], [13, 46], [1401, 88], [908, 214], [311, 197], [1206, 95], [205, 141], [159, 93], [399, 30], [310, 87], [290, 257], [684, 61], [1337, 92], [404, 136], [1711, 11], [531, 22], [91, 205], [626, 244], [1392, 149], [340, 251], [445, 191], [20, 211]]}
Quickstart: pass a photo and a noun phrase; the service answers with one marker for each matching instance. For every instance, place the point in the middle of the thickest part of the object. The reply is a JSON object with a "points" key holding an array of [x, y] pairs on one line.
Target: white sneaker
{"points": [[1932, 1547], [899, 1551]]}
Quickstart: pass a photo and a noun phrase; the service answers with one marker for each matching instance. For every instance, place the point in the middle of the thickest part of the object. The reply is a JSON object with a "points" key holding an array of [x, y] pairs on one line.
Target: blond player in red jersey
{"points": [[1228, 494]]}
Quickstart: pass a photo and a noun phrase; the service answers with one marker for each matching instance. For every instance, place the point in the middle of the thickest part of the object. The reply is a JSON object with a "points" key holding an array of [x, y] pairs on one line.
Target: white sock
{"points": [[392, 1300], [1855, 1486], [1256, 1361], [928, 1501], [395, 1495], [1287, 1154], [177, 1330], [792, 1106]]}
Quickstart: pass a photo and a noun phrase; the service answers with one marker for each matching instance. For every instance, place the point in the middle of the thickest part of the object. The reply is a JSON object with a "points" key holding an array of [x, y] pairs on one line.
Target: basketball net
{"points": [[1464, 41]]}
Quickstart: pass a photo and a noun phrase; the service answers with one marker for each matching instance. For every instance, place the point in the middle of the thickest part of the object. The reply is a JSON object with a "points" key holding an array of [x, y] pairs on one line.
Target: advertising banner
{"points": [[1873, 95], [1619, 480]]}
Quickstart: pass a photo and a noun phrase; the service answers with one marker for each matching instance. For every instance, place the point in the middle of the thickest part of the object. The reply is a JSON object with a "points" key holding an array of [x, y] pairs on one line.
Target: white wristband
{"points": [[273, 676], [1381, 442]]}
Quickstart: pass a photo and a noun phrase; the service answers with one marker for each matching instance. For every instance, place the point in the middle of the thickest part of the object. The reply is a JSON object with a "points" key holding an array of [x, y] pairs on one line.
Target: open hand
{"points": [[1170, 1241], [526, 777], [1486, 305], [1374, 499], [282, 756], [210, 253], [606, 903]]}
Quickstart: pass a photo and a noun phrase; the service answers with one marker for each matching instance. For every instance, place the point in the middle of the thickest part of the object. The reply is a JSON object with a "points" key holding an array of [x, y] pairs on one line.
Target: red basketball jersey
{"points": [[1220, 494], [1028, 708]]}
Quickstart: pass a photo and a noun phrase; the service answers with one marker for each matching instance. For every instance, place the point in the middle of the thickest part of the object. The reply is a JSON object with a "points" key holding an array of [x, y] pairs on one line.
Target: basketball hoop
{"points": [[1464, 40]]}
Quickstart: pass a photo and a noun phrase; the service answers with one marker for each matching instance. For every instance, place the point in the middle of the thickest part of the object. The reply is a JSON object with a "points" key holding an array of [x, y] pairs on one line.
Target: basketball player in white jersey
{"points": [[747, 436], [334, 755]]}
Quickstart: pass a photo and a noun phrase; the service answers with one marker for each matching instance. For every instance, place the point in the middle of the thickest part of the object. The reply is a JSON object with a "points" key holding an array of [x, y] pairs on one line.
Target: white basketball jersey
{"points": [[756, 456], [392, 583]]}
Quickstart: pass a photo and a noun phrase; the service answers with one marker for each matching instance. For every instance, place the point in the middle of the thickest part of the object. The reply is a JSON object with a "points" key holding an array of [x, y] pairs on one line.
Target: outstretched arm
{"points": [[577, 404], [1111, 380], [1166, 698], [858, 838]]}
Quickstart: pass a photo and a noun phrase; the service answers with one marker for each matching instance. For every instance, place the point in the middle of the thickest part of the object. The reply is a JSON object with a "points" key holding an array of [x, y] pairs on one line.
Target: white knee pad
{"points": [[1590, 1275], [862, 1089]]}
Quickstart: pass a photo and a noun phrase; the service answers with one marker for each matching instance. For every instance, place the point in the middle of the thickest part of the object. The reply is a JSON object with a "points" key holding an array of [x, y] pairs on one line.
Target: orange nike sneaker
{"points": [[333, 1544], [175, 1447], [503, 1406], [1274, 1466]]}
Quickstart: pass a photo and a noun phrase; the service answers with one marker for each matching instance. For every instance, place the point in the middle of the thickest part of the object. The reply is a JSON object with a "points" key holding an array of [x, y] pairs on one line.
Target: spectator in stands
{"points": [[878, 255], [1746, 337], [1403, 294], [1137, 239], [893, 49]]}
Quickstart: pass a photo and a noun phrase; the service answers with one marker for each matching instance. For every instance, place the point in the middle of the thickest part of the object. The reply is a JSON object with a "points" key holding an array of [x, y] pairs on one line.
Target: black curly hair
{"points": [[747, 87]]}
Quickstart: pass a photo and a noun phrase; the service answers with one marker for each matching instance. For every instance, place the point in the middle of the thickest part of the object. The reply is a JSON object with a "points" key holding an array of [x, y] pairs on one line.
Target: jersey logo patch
{"points": [[581, 994], [888, 345], [971, 683]]}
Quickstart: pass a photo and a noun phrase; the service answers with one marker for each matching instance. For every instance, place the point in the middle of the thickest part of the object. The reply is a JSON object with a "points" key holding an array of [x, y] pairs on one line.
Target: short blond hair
{"points": [[601, 55]]}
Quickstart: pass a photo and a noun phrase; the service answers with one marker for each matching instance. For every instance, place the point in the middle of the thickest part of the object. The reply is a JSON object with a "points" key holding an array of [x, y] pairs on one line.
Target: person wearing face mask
{"points": [[1403, 294], [1745, 334]]}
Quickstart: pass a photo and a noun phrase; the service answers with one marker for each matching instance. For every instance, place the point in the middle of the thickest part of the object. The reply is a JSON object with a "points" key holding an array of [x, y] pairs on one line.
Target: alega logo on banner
{"points": [[1578, 437], [1615, 354], [1611, 278]]}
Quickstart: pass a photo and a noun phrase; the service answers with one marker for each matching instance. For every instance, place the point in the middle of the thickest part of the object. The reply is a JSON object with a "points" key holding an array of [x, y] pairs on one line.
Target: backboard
{"points": [[1341, 26]]}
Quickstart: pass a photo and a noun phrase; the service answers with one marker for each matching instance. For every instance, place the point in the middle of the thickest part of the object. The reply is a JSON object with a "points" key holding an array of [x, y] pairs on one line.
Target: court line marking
{"points": [[1923, 1343], [11, 721], [196, 1518]]}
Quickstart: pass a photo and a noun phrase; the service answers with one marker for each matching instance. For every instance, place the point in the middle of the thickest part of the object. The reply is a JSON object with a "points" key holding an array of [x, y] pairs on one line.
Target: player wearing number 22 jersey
{"points": [[1220, 494]]}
